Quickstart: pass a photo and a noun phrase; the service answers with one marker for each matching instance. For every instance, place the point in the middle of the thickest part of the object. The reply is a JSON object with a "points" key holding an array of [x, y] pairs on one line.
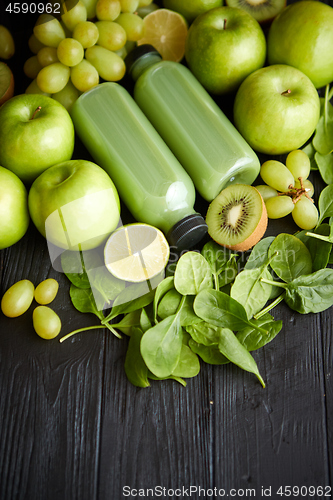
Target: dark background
{"points": [[73, 427]]}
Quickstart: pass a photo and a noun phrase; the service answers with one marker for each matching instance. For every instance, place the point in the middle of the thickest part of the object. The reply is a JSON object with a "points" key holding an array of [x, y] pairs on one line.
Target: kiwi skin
{"points": [[253, 238]]}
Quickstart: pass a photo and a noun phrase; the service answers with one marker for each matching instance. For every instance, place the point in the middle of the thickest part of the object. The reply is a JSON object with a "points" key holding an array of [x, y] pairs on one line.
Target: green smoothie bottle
{"points": [[196, 130], [149, 178]]}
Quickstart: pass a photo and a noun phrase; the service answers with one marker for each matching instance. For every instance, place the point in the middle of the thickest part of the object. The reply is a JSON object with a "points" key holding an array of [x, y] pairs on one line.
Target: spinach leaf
{"points": [[320, 250], [219, 309], [129, 321], [204, 333], [252, 339], [162, 288], [135, 368], [259, 253], [73, 266], [250, 291], [312, 293], [161, 346], [188, 365], [323, 139], [130, 299], [170, 304], [228, 272], [171, 377], [208, 353], [310, 151], [289, 257], [192, 274], [83, 300], [222, 262], [325, 166], [325, 203], [232, 349], [145, 322]]}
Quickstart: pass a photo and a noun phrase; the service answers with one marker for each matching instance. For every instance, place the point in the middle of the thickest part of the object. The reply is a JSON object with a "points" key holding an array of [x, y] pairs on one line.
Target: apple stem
{"points": [[224, 24], [35, 112], [286, 92]]}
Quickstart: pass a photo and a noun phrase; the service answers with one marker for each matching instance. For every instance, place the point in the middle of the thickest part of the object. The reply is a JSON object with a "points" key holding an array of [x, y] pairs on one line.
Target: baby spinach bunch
{"points": [[320, 150]]}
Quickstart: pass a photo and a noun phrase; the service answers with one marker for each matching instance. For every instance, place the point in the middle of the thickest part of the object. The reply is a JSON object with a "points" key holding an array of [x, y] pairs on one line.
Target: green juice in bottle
{"points": [[149, 178], [196, 130]]}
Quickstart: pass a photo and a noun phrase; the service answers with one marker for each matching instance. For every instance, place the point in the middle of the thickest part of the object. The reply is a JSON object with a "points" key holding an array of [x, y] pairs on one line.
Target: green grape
{"points": [[86, 33], [32, 67], [279, 206], [47, 55], [34, 44], [109, 65], [147, 9], [112, 36], [91, 8], [305, 213], [17, 299], [48, 30], [276, 175], [67, 96], [107, 10], [84, 76], [298, 163], [266, 191], [7, 45], [308, 186], [46, 291], [133, 25], [121, 52], [70, 52], [129, 6], [73, 15], [46, 322], [34, 89], [144, 3], [68, 33], [53, 77]]}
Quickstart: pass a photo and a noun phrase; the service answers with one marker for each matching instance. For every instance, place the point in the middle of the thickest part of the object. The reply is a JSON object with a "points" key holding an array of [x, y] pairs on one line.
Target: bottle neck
{"points": [[143, 63]]}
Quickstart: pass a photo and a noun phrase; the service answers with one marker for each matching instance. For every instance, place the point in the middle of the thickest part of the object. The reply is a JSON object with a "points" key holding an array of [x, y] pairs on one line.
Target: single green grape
{"points": [[47, 55], [48, 30], [144, 3], [46, 291], [34, 44], [299, 164], [108, 10], [147, 9], [109, 65], [86, 33], [129, 6], [73, 15], [308, 186], [7, 45], [70, 52], [133, 25], [305, 213], [53, 77], [47, 323], [112, 36], [34, 89], [91, 8], [266, 191], [67, 96], [17, 299], [279, 206], [84, 76], [32, 67], [276, 175]]}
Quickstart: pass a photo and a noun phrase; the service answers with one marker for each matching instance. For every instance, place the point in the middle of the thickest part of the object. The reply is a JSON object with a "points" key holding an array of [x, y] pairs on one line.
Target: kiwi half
{"points": [[237, 217], [263, 11]]}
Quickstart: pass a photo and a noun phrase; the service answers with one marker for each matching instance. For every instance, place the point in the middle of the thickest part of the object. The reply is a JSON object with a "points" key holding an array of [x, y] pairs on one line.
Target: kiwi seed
{"points": [[237, 217], [263, 11]]}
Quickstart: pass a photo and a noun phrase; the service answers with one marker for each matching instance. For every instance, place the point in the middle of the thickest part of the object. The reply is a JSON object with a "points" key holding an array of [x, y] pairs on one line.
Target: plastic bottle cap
{"points": [[187, 232], [136, 54]]}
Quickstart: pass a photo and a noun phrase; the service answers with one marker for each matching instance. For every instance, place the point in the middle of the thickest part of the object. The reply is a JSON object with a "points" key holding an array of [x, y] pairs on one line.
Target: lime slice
{"points": [[6, 83], [166, 31], [136, 252]]}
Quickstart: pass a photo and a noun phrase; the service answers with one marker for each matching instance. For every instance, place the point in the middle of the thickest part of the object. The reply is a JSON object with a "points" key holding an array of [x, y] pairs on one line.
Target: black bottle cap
{"points": [[187, 232], [136, 54]]}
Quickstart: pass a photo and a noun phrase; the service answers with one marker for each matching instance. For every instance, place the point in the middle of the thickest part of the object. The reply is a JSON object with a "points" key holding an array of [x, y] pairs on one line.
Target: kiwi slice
{"points": [[237, 217], [263, 11]]}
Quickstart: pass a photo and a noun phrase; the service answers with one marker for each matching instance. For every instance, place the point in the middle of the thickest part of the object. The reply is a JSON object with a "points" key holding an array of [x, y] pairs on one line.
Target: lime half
{"points": [[136, 252]]}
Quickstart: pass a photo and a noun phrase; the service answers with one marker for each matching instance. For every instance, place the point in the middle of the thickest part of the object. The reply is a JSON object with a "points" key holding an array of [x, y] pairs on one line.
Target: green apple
{"points": [[36, 132], [75, 205], [276, 109], [14, 214], [223, 46], [191, 10], [302, 36]]}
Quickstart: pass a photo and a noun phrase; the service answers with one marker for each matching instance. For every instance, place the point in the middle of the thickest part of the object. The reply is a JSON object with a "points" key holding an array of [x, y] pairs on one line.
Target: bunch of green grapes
{"points": [[288, 190], [88, 42]]}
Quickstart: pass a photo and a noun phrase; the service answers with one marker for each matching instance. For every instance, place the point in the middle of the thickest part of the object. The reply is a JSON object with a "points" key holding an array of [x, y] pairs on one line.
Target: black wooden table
{"points": [[73, 428]]}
